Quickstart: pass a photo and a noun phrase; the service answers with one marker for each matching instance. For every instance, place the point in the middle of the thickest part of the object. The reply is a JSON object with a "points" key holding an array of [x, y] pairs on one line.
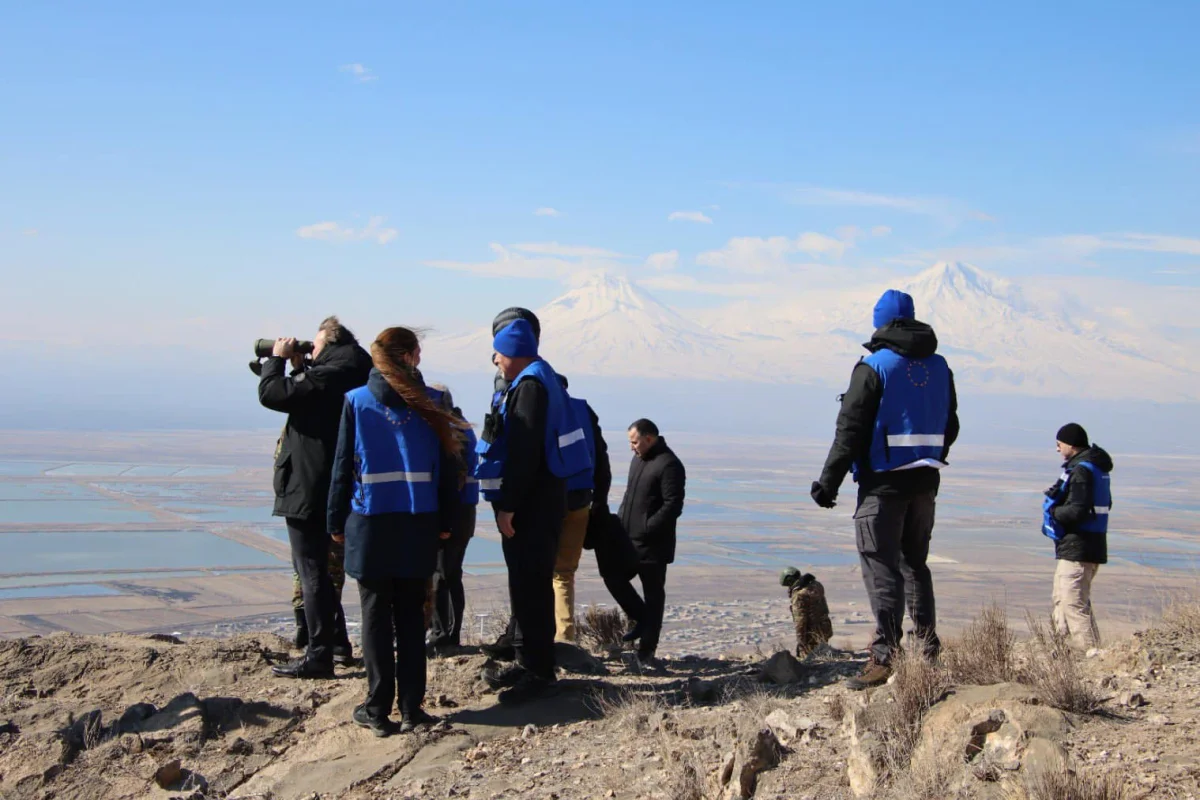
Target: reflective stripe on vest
{"points": [[395, 477]]}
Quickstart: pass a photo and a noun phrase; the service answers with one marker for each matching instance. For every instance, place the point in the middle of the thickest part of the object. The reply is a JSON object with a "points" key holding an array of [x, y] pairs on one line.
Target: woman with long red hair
{"points": [[394, 492]]}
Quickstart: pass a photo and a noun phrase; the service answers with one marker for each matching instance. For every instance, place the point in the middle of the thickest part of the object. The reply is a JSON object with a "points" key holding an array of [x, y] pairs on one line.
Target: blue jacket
{"points": [[390, 494], [469, 496], [1076, 510], [564, 441]]}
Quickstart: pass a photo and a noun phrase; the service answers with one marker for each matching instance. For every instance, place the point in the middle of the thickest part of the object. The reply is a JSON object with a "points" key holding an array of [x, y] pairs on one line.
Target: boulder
{"points": [[575, 659], [781, 668]]}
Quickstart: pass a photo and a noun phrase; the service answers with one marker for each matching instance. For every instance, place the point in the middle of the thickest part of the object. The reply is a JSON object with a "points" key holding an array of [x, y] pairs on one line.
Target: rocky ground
{"points": [[152, 717]]}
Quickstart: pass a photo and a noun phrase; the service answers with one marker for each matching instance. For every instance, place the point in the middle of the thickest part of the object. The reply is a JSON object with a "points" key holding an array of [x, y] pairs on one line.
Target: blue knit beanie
{"points": [[894, 304], [516, 340]]}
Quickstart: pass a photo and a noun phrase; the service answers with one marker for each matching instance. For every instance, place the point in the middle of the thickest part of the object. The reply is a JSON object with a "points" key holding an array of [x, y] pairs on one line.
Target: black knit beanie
{"points": [[1073, 434]]}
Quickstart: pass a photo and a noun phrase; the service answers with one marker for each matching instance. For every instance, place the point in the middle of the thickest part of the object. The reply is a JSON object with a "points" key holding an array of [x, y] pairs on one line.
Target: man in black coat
{"points": [[312, 398], [1083, 544], [529, 513], [653, 502]]}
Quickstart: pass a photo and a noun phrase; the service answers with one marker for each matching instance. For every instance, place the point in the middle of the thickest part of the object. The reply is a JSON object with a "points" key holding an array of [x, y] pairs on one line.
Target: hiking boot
{"points": [[634, 634], [304, 668], [528, 688], [501, 650], [300, 640], [873, 674], [443, 650], [343, 655], [498, 677], [419, 718], [379, 725]]}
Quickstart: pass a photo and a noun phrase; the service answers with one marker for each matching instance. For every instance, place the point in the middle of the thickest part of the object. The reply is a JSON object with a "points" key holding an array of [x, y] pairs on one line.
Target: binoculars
{"points": [[264, 347]]}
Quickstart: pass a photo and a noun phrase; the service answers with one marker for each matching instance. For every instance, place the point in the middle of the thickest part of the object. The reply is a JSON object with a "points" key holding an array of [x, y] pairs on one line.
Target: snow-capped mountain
{"points": [[998, 335], [607, 326]]}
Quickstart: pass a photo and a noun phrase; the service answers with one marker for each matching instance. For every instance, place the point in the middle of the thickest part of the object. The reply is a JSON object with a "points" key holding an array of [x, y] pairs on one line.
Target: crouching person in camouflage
{"points": [[810, 613]]}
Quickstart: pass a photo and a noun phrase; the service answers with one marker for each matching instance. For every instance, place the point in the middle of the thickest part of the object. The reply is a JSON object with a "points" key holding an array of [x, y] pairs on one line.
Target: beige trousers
{"points": [[570, 549], [1073, 615]]}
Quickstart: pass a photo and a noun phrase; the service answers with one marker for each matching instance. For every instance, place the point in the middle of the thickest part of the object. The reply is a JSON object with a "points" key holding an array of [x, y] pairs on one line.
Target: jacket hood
{"points": [[657, 449], [347, 356], [384, 392], [1095, 455], [906, 337]]}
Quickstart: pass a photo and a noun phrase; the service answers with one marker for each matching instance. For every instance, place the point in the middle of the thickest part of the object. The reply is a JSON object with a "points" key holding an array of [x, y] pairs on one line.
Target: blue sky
{"points": [[212, 171]]}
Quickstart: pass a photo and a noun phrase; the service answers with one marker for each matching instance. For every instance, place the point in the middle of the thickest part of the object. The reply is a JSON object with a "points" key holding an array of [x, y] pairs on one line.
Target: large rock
{"points": [[575, 659], [781, 668], [998, 728]]}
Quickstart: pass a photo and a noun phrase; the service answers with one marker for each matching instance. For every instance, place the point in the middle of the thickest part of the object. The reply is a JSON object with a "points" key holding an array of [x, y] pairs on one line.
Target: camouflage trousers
{"points": [[337, 573]]}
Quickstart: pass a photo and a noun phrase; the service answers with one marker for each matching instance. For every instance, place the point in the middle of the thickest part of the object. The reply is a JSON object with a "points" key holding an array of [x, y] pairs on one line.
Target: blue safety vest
{"points": [[469, 496], [566, 440], [587, 478], [1101, 503], [910, 426], [396, 458]]}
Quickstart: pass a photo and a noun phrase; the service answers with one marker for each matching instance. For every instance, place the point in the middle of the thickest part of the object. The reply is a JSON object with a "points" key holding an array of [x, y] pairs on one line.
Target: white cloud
{"points": [[361, 72], [549, 260], [1086, 244], [880, 230], [30, 232], [689, 216], [949, 210], [758, 255], [546, 211], [565, 250], [688, 283], [663, 262], [336, 232]]}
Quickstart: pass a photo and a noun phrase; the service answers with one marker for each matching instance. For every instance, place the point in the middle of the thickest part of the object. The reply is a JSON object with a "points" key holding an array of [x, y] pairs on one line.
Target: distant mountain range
{"points": [[1039, 339]]}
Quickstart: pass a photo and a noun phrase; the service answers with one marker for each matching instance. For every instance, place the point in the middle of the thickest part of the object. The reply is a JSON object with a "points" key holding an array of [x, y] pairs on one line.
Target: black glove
{"points": [[821, 497]]}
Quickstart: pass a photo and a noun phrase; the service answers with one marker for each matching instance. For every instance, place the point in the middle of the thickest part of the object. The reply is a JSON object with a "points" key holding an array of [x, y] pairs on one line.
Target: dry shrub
{"points": [[836, 706], [917, 685], [602, 628], [986, 651], [1053, 669], [1064, 785], [627, 709], [1181, 620], [684, 781]]}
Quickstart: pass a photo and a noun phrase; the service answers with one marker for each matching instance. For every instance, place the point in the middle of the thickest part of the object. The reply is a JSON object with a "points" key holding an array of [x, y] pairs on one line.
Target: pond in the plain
{"points": [[60, 551], [68, 510], [58, 590]]}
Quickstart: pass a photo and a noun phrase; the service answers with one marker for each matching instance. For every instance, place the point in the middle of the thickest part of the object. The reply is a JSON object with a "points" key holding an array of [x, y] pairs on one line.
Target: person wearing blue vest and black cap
{"points": [[898, 419], [395, 492], [1075, 516], [449, 597], [584, 490], [524, 462]]}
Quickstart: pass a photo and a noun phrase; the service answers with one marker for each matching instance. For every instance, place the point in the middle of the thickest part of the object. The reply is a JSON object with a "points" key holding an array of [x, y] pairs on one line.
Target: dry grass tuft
{"points": [[918, 684], [1063, 785], [837, 707], [1181, 620], [602, 628], [1054, 670], [628, 710], [986, 651]]}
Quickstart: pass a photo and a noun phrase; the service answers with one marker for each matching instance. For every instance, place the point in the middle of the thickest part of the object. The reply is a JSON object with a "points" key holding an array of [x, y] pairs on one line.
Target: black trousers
{"points": [[393, 643], [892, 533], [647, 613], [310, 558], [449, 598], [530, 557]]}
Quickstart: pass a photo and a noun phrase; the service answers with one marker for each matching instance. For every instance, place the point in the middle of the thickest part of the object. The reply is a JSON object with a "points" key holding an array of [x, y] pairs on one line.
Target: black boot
{"points": [[343, 651], [301, 638]]}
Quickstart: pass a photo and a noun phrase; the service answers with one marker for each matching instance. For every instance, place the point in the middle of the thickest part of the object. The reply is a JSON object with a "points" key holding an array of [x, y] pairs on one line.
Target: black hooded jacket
{"points": [[312, 399], [1076, 508], [856, 420]]}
